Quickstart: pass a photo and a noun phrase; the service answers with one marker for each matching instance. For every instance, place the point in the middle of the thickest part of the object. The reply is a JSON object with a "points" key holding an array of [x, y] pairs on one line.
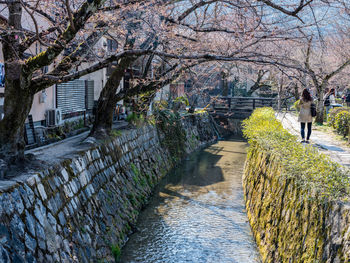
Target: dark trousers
{"points": [[302, 131]]}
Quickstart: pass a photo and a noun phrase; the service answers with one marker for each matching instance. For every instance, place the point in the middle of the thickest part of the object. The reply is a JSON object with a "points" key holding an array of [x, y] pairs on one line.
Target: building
{"points": [[61, 102]]}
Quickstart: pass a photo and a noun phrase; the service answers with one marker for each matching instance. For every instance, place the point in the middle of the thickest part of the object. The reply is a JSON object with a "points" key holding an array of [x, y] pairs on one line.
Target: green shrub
{"points": [[311, 170], [115, 133], [160, 105], [296, 105], [182, 99], [169, 122], [136, 119], [116, 252], [342, 122], [333, 113]]}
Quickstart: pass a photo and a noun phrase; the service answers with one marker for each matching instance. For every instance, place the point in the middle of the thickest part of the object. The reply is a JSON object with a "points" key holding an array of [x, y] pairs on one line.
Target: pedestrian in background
{"points": [[329, 100], [347, 97], [305, 115]]}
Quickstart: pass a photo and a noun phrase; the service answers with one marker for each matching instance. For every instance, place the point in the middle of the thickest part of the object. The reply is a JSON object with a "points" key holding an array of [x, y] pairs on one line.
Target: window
{"points": [[112, 45]]}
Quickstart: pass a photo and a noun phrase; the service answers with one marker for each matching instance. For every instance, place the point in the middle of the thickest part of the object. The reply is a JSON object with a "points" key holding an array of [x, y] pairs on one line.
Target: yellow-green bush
{"points": [[333, 113], [310, 169], [342, 122], [296, 105]]}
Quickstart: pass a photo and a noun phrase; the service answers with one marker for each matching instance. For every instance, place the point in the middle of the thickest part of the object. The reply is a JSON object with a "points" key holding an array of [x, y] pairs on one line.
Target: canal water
{"points": [[197, 213]]}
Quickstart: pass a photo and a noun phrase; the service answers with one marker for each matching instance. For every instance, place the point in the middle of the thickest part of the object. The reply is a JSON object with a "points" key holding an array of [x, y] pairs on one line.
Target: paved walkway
{"points": [[62, 149], [326, 143], [48, 155]]}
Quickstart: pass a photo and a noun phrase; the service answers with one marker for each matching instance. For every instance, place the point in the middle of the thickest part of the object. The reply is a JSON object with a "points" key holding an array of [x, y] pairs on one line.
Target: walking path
{"points": [[69, 146], [326, 143], [48, 155]]}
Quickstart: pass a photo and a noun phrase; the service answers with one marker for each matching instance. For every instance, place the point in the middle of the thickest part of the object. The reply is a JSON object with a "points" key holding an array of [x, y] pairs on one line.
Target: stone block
{"points": [[42, 191], [67, 191], [58, 182], [48, 258], [30, 257], [7, 204], [95, 154], [40, 235], [17, 226], [70, 209], [30, 223], [52, 221], [74, 185], [50, 239], [27, 196], [19, 207], [52, 206], [61, 218], [30, 243], [40, 212], [52, 184], [33, 179], [56, 257], [65, 175], [83, 179], [4, 255], [78, 164], [4, 235]]}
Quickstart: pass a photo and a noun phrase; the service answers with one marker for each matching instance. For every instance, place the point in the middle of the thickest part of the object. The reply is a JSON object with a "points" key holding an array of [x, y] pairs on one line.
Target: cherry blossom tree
{"points": [[186, 30]]}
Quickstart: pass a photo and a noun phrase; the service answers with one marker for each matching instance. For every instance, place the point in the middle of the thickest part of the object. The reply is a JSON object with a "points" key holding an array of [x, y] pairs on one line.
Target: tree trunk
{"points": [[18, 102], [296, 92], [107, 100], [18, 98], [320, 107]]}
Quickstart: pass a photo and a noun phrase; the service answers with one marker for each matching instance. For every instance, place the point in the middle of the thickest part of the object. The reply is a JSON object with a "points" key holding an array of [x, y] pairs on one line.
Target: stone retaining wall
{"points": [[289, 224], [82, 209]]}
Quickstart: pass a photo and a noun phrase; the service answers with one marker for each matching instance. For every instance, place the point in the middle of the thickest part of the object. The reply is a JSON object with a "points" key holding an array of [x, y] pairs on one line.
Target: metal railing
{"points": [[243, 103]]}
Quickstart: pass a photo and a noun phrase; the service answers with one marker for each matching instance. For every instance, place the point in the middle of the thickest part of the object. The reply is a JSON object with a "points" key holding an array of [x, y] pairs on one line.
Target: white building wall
{"points": [[40, 107], [99, 78], [163, 93]]}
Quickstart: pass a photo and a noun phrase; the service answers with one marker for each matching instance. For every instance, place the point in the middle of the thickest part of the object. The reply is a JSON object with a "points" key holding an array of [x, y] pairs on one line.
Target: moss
{"points": [[311, 170], [116, 252], [135, 170], [288, 226], [115, 133], [174, 139]]}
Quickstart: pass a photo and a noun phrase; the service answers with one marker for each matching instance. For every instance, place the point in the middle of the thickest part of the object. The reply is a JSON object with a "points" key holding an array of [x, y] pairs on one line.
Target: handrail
{"points": [[247, 98], [250, 102]]}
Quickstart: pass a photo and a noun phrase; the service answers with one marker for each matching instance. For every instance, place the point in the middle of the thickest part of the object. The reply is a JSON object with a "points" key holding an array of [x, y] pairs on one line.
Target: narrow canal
{"points": [[197, 213]]}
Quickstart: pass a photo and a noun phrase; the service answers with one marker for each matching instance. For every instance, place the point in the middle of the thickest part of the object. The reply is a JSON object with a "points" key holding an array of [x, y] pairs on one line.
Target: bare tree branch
{"points": [[293, 13], [80, 17]]}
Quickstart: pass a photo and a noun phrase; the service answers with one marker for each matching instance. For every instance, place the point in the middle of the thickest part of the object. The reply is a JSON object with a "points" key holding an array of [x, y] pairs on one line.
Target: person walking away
{"points": [[305, 115], [329, 101], [347, 98]]}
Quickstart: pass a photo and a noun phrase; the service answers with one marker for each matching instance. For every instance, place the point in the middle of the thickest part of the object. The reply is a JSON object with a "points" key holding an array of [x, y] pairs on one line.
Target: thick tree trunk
{"points": [[107, 101], [296, 92], [18, 98], [18, 102], [320, 107]]}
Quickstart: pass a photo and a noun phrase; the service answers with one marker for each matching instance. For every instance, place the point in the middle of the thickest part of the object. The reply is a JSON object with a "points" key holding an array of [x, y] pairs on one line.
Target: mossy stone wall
{"points": [[82, 209], [288, 223]]}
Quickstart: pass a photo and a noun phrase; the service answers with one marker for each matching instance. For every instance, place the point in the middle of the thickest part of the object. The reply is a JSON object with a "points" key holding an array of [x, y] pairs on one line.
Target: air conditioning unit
{"points": [[53, 117]]}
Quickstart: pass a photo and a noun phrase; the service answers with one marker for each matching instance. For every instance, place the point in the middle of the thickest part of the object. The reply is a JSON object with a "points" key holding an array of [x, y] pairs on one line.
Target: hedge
{"points": [[311, 169], [339, 119], [333, 113]]}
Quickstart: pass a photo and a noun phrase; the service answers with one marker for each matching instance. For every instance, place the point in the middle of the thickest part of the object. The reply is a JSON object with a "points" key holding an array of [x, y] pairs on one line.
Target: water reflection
{"points": [[197, 213]]}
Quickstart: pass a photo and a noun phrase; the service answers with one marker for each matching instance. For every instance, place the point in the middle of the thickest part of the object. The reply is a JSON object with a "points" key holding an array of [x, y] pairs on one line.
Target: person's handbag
{"points": [[313, 110]]}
